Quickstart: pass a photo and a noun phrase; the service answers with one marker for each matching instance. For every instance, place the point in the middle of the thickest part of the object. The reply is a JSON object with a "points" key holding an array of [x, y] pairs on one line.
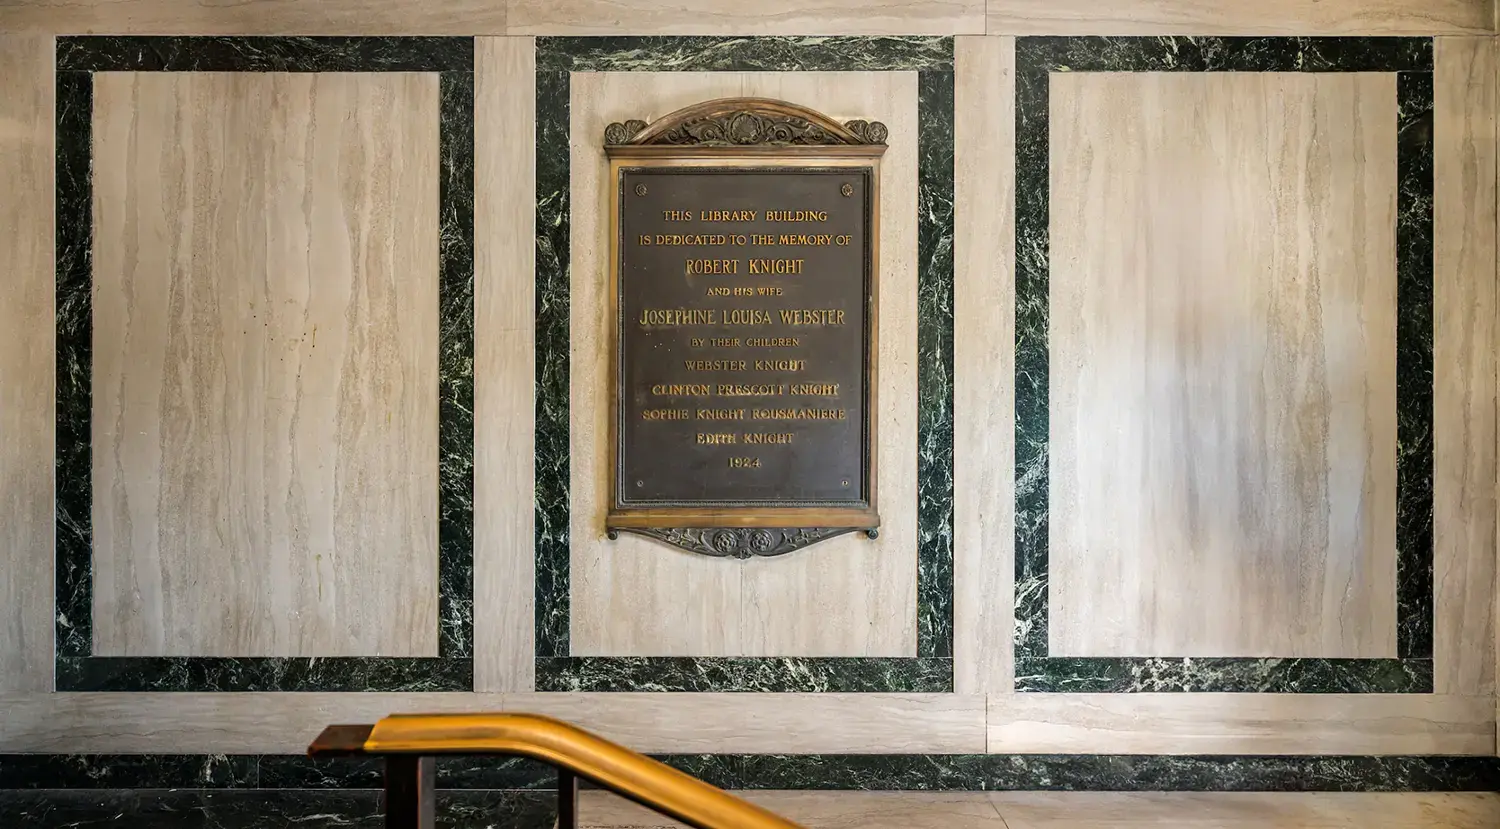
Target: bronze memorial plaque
{"points": [[744, 299]]}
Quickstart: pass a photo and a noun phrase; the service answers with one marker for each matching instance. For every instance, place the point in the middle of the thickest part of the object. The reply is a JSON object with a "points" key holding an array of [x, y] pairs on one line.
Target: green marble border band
{"points": [[857, 53], [1411, 59], [783, 674], [452, 58], [1100, 675], [827, 772], [931, 669]]}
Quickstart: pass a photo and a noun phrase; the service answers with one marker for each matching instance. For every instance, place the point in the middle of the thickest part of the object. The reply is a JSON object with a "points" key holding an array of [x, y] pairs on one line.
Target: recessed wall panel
{"points": [[1223, 337], [849, 596], [265, 364]]}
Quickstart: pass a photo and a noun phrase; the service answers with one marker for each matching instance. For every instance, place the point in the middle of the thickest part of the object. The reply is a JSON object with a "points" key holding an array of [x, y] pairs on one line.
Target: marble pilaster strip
{"points": [[1414, 369], [74, 568], [552, 465], [935, 198], [456, 363]]}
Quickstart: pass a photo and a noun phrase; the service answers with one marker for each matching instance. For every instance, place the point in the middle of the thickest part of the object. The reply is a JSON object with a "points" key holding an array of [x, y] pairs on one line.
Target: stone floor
{"points": [[994, 810], [311, 809]]}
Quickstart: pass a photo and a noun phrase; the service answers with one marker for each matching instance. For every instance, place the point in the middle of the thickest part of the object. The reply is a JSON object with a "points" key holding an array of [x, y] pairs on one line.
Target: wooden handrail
{"points": [[572, 750]]}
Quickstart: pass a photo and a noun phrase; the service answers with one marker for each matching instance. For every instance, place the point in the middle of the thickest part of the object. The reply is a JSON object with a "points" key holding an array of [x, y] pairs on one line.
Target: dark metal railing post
{"points": [[567, 800], [409, 802]]}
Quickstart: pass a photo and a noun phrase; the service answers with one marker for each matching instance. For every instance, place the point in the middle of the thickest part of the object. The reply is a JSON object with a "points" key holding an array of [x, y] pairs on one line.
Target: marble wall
{"points": [[1191, 400]]}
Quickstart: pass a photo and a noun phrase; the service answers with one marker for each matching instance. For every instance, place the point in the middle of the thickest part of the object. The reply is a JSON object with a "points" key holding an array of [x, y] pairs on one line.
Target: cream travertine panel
{"points": [[505, 360], [28, 321], [740, 723], [255, 17], [845, 597], [631, 596], [984, 364], [1240, 724], [720, 17], [1466, 97], [1236, 17], [1223, 364], [1246, 810], [265, 364], [270, 723], [851, 596]]}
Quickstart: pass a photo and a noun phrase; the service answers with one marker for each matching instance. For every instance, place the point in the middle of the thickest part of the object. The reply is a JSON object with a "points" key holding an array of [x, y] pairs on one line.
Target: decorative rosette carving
{"points": [[618, 133], [871, 132]]}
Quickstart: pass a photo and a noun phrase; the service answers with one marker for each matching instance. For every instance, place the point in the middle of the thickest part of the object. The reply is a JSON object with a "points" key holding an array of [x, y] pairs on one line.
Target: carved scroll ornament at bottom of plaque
{"points": [[740, 542]]}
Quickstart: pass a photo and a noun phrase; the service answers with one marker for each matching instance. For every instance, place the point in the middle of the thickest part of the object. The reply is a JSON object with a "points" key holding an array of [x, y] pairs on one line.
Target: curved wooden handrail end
{"points": [[561, 745], [340, 741]]}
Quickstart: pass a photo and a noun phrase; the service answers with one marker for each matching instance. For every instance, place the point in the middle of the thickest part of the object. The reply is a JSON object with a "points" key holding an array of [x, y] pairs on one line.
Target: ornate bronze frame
{"points": [[739, 134]]}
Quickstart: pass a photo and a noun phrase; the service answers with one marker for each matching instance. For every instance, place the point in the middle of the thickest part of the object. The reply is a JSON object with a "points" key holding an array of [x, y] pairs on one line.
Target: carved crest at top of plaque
{"points": [[745, 122]]}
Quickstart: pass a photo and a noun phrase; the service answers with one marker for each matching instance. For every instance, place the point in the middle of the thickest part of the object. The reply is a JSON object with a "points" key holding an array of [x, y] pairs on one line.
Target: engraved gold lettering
{"points": [[767, 437], [750, 389], [726, 215], [692, 239], [811, 316], [804, 240], [796, 215], [776, 266], [747, 316], [712, 266], [798, 414], [767, 406], [780, 365], [715, 438], [679, 316], [693, 389]]}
